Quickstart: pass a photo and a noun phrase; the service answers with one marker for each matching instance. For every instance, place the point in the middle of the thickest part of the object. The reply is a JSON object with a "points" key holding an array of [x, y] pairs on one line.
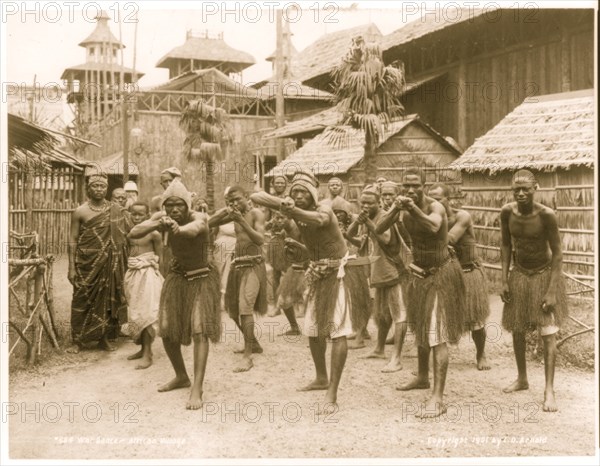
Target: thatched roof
{"points": [[319, 121], [207, 81], [31, 146], [102, 33], [211, 51], [543, 133], [79, 70], [313, 124], [429, 23], [322, 55], [293, 53], [318, 156]]}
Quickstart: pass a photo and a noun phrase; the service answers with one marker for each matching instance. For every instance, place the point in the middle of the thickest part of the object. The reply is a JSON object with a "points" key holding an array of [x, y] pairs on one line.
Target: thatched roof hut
{"points": [[407, 142], [200, 51], [44, 182], [554, 137]]}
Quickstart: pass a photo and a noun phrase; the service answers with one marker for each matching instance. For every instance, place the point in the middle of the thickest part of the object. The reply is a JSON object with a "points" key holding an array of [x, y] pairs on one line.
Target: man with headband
{"points": [[533, 292], [333, 285], [98, 252], [190, 299]]}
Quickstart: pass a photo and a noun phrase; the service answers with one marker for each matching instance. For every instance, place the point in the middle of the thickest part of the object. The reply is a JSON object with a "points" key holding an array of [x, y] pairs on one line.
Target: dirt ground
{"points": [[96, 406]]}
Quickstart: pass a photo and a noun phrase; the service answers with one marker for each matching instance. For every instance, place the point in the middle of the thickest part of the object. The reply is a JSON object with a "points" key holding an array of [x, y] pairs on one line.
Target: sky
{"points": [[45, 45]]}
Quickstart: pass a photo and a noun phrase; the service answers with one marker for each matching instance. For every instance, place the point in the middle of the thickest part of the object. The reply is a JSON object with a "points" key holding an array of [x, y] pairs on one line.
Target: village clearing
{"points": [[95, 405]]}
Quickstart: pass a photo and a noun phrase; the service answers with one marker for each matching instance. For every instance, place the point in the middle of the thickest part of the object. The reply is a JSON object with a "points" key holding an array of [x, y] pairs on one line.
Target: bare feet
{"points": [[292, 332], [550, 405], [482, 364], [393, 366], [174, 384], [415, 384], [245, 366], [195, 401], [145, 362], [516, 386], [328, 408], [137, 355], [73, 349], [106, 345], [274, 312], [256, 349], [357, 345], [376, 355], [433, 408], [315, 385]]}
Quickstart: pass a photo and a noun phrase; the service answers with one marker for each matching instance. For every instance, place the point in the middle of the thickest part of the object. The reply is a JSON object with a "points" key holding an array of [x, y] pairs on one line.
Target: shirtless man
{"points": [[143, 284], [533, 292], [190, 297], [462, 239], [335, 188], [329, 279], [436, 291], [389, 277], [247, 283]]}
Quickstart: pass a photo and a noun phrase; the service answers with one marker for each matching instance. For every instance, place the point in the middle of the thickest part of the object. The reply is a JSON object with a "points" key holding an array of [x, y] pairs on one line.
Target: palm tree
{"points": [[207, 131], [368, 95]]}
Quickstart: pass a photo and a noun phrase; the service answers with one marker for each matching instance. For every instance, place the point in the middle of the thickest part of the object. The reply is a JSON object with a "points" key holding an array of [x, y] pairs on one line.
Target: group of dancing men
{"points": [[404, 256]]}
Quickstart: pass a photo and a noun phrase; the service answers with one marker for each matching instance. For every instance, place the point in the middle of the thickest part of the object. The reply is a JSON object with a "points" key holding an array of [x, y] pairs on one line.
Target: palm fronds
{"points": [[367, 91], [206, 128]]}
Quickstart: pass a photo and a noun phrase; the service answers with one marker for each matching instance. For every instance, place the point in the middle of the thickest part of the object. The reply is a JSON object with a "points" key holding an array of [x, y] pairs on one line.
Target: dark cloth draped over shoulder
{"points": [[100, 263]]}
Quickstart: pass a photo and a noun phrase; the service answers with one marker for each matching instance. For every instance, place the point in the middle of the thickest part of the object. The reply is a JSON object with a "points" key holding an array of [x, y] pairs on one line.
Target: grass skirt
{"points": [[232, 295], [448, 286], [477, 305], [324, 285], [291, 289], [189, 307], [527, 290]]}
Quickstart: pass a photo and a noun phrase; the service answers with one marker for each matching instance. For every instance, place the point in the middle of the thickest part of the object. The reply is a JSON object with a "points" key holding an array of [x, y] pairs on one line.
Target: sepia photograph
{"points": [[311, 232]]}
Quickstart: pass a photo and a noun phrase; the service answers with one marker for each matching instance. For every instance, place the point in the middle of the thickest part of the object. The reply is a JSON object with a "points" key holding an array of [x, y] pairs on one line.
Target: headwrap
{"points": [[131, 186], [98, 178], [173, 171], [280, 176], [341, 204], [307, 181], [389, 184], [177, 189], [371, 189]]}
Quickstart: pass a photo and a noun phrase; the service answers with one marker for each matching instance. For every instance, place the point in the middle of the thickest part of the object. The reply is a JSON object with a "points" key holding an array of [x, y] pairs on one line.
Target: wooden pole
{"points": [[279, 77], [124, 104]]}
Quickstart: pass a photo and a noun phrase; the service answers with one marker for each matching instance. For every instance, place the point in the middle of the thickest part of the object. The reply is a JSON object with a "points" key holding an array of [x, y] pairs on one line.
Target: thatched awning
{"points": [[33, 146], [314, 123], [102, 33], [78, 71], [543, 133], [321, 158]]}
